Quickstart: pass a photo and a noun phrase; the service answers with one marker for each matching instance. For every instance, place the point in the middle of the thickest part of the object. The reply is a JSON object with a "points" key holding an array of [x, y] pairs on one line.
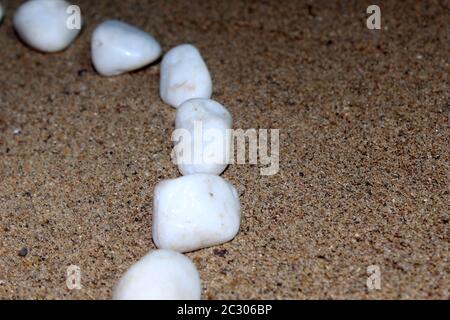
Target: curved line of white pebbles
{"points": [[197, 210]]}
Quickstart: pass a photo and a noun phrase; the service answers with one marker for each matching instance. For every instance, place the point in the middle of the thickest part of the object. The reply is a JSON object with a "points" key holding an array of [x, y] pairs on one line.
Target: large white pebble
{"points": [[194, 212], [184, 75], [44, 24], [117, 47], [203, 137], [160, 275]]}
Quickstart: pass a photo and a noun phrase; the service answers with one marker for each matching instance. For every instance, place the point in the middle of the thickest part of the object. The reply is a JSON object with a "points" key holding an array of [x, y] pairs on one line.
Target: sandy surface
{"points": [[364, 171]]}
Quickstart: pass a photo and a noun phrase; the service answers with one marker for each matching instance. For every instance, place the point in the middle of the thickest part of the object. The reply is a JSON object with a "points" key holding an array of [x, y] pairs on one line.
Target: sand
{"points": [[364, 155]]}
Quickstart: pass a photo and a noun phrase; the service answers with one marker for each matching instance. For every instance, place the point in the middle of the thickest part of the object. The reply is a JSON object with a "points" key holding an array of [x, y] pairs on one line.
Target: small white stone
{"points": [[184, 75], [194, 212], [117, 47], [1, 12], [160, 275], [202, 137], [43, 24]]}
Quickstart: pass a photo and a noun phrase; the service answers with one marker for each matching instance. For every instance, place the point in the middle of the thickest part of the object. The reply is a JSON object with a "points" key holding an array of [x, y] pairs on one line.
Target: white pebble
{"points": [[204, 137], [117, 47], [160, 275], [1, 12], [184, 75], [194, 212], [44, 24]]}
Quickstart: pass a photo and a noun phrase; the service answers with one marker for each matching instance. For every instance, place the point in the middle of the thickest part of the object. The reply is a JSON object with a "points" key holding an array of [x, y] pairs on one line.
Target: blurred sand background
{"points": [[364, 167]]}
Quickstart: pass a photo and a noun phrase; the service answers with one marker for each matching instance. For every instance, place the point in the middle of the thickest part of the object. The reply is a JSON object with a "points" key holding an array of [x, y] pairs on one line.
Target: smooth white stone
{"points": [[184, 75], [117, 47], [1, 12], [194, 212], [160, 275], [204, 141], [43, 25]]}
